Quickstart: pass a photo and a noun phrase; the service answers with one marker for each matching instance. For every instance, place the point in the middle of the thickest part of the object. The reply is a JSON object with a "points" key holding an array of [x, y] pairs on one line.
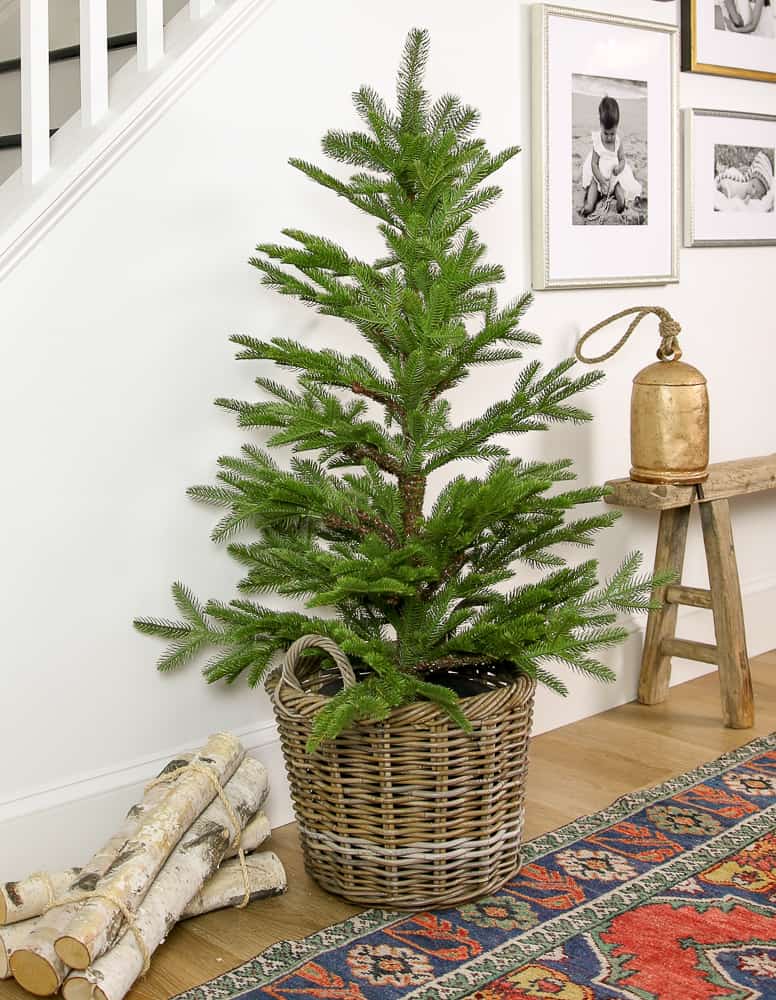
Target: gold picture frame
{"points": [[692, 61]]}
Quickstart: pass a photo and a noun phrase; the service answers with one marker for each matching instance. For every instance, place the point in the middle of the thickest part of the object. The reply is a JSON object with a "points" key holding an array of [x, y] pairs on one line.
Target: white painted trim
{"points": [[201, 8], [81, 156], [150, 34], [94, 61], [33, 26], [97, 782]]}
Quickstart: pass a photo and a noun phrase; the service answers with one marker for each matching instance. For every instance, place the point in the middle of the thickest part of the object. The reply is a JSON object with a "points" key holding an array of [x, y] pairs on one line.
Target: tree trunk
{"points": [[36, 966], [30, 896], [194, 861], [96, 923]]}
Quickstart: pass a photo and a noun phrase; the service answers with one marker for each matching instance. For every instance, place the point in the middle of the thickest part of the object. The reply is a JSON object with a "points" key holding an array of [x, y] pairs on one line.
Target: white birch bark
{"points": [[36, 966], [192, 863], [226, 888], [30, 896], [95, 924], [266, 877], [12, 938], [254, 835]]}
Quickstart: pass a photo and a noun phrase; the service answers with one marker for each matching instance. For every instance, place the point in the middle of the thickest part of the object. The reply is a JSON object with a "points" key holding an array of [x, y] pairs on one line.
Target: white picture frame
{"points": [[577, 56], [729, 188]]}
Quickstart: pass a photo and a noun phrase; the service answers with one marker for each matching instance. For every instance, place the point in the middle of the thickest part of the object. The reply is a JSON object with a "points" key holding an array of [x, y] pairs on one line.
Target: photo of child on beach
{"points": [[746, 17], [609, 151], [743, 179]]}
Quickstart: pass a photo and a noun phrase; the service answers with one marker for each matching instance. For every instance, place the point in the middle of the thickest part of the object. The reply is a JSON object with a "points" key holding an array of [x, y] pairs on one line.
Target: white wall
{"points": [[114, 341]]}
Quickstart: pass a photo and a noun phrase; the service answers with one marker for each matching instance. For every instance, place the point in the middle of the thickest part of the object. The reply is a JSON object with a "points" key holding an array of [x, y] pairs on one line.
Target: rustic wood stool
{"points": [[723, 598]]}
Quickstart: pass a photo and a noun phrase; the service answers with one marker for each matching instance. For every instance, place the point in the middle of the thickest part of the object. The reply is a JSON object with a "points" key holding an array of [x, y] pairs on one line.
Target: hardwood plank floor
{"points": [[574, 770]]}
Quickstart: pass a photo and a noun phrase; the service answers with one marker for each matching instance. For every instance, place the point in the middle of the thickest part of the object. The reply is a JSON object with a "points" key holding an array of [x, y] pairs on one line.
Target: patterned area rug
{"points": [[669, 894]]}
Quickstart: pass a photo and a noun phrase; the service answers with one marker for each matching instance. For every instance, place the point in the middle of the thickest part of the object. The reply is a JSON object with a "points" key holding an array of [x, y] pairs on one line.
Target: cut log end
{"points": [[78, 988], [5, 967], [34, 974], [3, 910], [73, 952]]}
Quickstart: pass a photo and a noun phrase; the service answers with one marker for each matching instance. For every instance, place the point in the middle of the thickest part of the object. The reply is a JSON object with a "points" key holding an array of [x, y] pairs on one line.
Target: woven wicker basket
{"points": [[410, 812]]}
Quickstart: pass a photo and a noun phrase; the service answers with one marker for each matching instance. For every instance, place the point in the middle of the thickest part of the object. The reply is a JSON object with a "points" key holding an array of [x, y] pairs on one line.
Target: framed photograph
{"points": [[730, 38], [729, 159], [605, 150]]}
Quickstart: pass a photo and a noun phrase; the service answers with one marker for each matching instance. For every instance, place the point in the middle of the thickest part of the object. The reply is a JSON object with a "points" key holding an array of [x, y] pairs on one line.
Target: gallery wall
{"points": [[113, 343]]}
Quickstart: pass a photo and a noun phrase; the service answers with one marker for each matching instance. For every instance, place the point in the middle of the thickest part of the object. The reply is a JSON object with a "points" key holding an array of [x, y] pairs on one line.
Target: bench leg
{"points": [[734, 676], [655, 665]]}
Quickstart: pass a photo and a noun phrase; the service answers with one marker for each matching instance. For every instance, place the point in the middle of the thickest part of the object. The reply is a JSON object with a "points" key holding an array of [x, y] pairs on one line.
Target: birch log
{"points": [[36, 966], [254, 834], [110, 978], [226, 888], [96, 923], [194, 861], [12, 938], [30, 896], [266, 877]]}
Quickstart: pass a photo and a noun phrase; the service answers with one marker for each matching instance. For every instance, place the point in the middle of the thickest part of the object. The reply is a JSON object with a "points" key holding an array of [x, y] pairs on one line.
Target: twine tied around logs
{"points": [[669, 349], [129, 917], [235, 844]]}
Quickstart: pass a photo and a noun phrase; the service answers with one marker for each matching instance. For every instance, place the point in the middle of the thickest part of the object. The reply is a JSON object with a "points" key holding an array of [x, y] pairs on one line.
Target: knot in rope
{"points": [[669, 349]]}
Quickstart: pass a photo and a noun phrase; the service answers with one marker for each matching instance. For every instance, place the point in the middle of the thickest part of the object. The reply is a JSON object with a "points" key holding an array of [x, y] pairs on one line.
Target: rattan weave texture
{"points": [[411, 812]]}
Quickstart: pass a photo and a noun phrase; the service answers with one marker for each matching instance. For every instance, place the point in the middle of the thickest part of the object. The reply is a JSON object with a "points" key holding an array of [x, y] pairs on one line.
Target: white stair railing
{"points": [[56, 173], [33, 23], [94, 61], [150, 34], [36, 155]]}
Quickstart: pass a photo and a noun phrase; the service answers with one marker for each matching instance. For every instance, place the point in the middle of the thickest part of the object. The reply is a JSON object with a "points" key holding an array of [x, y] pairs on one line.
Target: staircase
{"points": [[79, 83]]}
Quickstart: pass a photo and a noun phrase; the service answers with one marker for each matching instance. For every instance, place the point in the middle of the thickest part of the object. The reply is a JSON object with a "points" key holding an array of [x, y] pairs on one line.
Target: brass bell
{"points": [[669, 408], [669, 424]]}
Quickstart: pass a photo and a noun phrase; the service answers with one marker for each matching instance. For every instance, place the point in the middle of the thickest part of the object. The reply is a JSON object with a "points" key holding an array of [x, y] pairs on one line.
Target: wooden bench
{"points": [[723, 598]]}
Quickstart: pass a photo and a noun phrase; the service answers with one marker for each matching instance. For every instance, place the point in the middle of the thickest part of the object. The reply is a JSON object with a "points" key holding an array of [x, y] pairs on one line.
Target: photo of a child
{"points": [[746, 17], [609, 151], [743, 179]]}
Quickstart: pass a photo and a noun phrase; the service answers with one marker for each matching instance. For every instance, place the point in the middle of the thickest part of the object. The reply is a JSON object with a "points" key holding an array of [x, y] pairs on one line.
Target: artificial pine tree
{"points": [[421, 590]]}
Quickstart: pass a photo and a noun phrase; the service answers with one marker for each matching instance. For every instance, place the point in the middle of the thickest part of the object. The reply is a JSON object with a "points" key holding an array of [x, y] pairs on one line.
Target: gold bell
{"points": [[669, 424], [669, 408]]}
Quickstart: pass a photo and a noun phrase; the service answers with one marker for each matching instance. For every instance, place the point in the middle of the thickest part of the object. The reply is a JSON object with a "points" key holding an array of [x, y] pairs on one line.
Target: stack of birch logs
{"points": [[182, 851]]}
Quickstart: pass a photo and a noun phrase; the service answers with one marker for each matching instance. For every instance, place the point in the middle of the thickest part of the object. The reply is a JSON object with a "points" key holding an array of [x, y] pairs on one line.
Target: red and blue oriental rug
{"points": [[669, 894]]}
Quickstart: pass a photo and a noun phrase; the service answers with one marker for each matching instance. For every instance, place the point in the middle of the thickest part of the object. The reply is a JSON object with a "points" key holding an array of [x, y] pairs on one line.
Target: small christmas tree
{"points": [[421, 590]]}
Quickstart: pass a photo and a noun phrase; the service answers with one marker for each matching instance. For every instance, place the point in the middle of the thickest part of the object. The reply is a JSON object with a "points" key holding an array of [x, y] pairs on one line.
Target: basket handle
{"points": [[295, 650]]}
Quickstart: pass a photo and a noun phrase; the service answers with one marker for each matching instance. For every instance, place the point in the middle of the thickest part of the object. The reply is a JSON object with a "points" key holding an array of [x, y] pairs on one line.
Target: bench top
{"points": [[726, 479]]}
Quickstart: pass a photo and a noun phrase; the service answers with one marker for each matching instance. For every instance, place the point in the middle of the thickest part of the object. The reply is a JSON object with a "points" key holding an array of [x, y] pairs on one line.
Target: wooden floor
{"points": [[574, 770]]}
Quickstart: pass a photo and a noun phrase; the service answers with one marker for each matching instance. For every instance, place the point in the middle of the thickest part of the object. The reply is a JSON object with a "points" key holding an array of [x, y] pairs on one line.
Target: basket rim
{"points": [[477, 707]]}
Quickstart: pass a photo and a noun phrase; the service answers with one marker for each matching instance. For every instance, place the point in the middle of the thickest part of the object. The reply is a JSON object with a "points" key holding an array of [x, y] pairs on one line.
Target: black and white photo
{"points": [[605, 150], [730, 38], [609, 151], [729, 178], [743, 178], [745, 17]]}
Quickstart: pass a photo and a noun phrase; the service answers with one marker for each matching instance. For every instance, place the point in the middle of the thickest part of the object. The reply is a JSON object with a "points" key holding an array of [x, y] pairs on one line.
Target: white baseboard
{"points": [[58, 826], [62, 825]]}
